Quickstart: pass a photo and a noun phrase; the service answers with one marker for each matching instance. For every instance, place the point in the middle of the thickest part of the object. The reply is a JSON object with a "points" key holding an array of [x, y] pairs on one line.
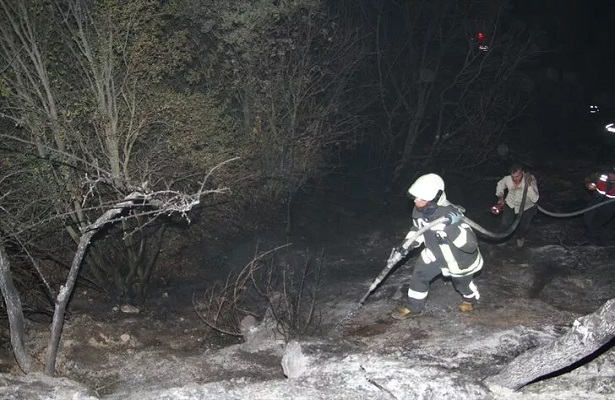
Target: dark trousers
{"points": [[509, 215], [595, 219], [422, 276]]}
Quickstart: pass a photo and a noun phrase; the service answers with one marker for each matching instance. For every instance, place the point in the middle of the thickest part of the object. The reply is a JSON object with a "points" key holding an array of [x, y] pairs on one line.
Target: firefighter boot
{"points": [[403, 312]]}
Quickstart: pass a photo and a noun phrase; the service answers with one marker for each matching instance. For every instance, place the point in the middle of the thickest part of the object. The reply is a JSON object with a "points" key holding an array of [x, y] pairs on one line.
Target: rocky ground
{"points": [[529, 297]]}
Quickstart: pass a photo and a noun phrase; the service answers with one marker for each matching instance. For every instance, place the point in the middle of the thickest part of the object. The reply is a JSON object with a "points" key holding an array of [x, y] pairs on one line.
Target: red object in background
{"points": [[480, 36], [496, 209]]}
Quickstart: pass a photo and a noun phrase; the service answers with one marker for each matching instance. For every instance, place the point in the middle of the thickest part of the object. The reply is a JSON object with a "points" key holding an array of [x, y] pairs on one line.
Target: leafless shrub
{"points": [[271, 287]]}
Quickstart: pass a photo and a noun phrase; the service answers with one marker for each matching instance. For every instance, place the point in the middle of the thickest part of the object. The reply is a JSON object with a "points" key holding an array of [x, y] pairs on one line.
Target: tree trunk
{"points": [[411, 136], [587, 334], [15, 313], [62, 301], [66, 290]]}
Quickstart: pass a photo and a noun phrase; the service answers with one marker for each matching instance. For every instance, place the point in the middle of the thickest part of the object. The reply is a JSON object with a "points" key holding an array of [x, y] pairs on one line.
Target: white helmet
{"points": [[428, 187]]}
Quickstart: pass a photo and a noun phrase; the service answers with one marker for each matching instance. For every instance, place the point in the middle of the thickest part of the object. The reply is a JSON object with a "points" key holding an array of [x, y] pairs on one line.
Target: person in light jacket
{"points": [[509, 191]]}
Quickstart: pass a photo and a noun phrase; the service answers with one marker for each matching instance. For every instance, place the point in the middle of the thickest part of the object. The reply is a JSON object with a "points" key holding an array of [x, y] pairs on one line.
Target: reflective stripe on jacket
{"points": [[602, 186], [453, 247]]}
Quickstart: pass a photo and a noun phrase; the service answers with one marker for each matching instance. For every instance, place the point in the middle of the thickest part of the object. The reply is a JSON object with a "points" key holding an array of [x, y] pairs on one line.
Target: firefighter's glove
{"points": [[401, 251], [441, 236], [454, 217], [396, 257]]}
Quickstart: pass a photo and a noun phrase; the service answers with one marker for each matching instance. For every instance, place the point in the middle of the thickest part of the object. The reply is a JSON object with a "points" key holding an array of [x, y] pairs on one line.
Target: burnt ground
{"points": [[529, 296]]}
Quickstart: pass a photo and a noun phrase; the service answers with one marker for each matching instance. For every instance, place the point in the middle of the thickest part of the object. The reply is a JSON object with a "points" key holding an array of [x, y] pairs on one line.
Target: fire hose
{"points": [[395, 257], [485, 232], [575, 213]]}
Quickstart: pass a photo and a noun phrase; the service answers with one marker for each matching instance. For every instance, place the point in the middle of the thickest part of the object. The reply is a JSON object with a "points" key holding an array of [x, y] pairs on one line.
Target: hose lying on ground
{"points": [[575, 213]]}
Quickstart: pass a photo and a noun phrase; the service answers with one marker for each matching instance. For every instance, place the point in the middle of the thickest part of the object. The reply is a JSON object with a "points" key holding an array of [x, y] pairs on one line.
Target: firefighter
{"points": [[601, 185], [450, 249], [512, 186]]}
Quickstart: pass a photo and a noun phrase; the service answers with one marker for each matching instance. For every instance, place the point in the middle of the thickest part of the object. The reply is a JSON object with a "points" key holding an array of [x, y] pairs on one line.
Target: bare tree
{"points": [[157, 204], [485, 96], [84, 89], [147, 204], [446, 93], [15, 312], [291, 69]]}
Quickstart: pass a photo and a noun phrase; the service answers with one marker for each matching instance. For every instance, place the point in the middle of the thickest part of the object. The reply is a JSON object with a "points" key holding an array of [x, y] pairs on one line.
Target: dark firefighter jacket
{"points": [[453, 247]]}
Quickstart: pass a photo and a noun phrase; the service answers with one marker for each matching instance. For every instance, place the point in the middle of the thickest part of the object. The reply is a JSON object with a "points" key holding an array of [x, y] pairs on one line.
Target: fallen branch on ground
{"points": [[585, 337]]}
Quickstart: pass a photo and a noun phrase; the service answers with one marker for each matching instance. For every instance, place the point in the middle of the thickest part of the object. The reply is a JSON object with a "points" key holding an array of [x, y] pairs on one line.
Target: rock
{"points": [[259, 335], [248, 324], [294, 363], [129, 309]]}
